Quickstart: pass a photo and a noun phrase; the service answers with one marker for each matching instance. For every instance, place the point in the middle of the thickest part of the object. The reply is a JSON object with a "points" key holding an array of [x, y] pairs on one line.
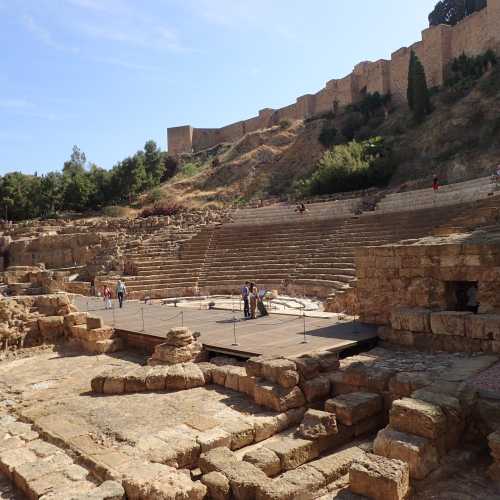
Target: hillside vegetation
{"points": [[458, 140]]}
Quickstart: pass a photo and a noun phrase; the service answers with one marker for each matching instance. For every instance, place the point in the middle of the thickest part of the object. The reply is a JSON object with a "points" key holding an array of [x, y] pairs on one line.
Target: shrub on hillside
{"points": [[351, 123], [284, 124], [162, 209], [328, 136], [115, 211], [154, 196], [349, 167], [490, 86]]}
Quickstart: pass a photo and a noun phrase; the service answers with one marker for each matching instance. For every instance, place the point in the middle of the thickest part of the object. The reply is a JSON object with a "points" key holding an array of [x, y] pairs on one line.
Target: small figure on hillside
{"points": [[435, 184], [253, 296], [245, 292], [106, 294], [301, 208], [121, 291]]}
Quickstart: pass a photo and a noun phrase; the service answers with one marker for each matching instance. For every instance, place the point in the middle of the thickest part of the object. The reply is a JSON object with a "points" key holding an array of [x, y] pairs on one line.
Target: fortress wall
{"points": [[438, 46], [180, 139]]}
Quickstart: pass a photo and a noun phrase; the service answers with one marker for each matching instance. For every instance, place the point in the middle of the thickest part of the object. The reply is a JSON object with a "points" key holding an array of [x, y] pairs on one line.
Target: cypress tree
{"points": [[418, 93]]}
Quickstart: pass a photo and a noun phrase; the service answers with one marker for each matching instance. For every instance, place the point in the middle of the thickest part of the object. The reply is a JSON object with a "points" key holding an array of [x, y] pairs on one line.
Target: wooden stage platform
{"points": [[146, 325]]}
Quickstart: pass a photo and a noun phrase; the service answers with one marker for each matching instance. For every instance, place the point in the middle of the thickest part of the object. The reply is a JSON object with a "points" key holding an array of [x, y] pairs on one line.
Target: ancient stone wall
{"points": [[438, 46], [419, 276]]}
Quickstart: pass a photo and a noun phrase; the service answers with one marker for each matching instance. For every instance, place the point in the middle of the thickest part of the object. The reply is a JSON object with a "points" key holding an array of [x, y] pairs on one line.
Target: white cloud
{"points": [[44, 35]]}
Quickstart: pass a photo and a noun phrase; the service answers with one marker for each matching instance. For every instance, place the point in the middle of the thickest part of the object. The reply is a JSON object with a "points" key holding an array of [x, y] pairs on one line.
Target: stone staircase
{"points": [[450, 194]]}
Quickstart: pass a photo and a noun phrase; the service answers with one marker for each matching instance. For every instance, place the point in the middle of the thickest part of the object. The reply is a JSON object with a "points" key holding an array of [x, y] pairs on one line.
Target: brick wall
{"points": [[438, 46]]}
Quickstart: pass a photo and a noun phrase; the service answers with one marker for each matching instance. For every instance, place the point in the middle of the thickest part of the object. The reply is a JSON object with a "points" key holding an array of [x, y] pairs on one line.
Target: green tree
{"points": [[51, 193], [153, 163], [418, 93]]}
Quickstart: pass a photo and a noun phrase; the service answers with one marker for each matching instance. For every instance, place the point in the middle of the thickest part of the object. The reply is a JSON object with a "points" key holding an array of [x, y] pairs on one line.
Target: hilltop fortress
{"points": [[439, 45]]}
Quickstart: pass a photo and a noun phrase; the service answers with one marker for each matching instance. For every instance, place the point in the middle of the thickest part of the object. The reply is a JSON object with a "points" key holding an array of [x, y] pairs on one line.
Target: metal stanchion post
{"points": [[114, 319], [305, 341], [182, 318], [142, 316], [234, 331], [87, 306]]}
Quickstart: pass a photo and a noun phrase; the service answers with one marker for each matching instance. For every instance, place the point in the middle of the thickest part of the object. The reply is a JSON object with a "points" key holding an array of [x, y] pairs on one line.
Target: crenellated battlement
{"points": [[439, 45]]}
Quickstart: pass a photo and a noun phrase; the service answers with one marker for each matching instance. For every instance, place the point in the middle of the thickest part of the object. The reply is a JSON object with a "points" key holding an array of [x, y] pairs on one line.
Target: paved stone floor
{"points": [[275, 334]]}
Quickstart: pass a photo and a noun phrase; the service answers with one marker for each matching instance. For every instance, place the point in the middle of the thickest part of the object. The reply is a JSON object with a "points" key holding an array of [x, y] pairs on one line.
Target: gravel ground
{"points": [[488, 381]]}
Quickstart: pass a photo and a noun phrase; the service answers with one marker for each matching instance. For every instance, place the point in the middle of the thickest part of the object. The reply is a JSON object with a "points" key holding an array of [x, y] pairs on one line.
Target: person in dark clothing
{"points": [[245, 292], [435, 184]]}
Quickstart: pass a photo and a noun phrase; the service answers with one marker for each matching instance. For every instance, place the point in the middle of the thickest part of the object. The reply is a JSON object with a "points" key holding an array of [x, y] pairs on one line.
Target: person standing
{"points": [[121, 291], [245, 291], [106, 293], [435, 184], [253, 295]]}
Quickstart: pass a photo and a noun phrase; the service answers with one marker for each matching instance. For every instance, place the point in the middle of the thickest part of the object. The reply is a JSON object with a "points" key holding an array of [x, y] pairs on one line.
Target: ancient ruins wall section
{"points": [[475, 34]]}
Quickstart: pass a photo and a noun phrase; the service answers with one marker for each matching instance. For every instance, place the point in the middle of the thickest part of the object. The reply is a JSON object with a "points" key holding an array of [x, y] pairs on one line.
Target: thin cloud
{"points": [[44, 35]]}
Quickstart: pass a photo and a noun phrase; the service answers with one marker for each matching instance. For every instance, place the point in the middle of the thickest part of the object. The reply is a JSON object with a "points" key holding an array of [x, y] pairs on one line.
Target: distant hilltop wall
{"points": [[439, 45]]}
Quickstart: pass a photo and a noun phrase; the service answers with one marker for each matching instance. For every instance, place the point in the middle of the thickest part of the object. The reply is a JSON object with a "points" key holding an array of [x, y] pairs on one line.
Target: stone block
{"points": [[12, 458], [242, 433], [233, 376], [345, 434], [405, 383], [293, 452], [219, 374], [254, 366], [175, 378], [179, 337], [246, 385], [217, 485], [264, 459], [483, 326], [94, 322], [214, 438], [76, 318], [78, 331], [51, 328], [114, 383], [193, 376], [419, 453], [379, 478], [245, 479], [182, 450], [494, 444], [411, 319], [308, 367], [97, 334], [317, 424], [414, 416], [369, 377], [450, 323], [306, 480], [280, 371], [135, 380], [206, 369], [316, 389], [352, 408], [278, 398], [97, 384], [337, 464], [218, 460], [155, 378], [278, 489], [328, 361]]}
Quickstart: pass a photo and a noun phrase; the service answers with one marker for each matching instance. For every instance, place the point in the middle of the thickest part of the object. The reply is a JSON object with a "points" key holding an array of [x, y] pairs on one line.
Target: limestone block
{"points": [[305, 479], [179, 337], [264, 459], [78, 331], [449, 323], [206, 369], [155, 378], [245, 479], [345, 434], [114, 383], [51, 327], [379, 478], [193, 376], [233, 376], [219, 374], [104, 333], [352, 408], [107, 346], [242, 433], [277, 489], [218, 459], [217, 485], [308, 367], [254, 366], [135, 380], [337, 464], [175, 378], [483, 326], [172, 355], [370, 378], [316, 389], [151, 480], [278, 398], [246, 385], [404, 383], [94, 322], [414, 416], [109, 490], [411, 319], [214, 438], [76, 318], [317, 424], [419, 453], [182, 447], [293, 452], [328, 361], [10, 459], [280, 371]]}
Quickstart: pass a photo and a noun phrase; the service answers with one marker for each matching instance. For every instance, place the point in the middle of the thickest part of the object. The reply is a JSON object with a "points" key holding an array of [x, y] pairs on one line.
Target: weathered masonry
{"points": [[439, 45]]}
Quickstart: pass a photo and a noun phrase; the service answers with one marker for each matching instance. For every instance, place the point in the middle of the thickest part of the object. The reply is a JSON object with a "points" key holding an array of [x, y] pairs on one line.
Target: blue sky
{"points": [[108, 75]]}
